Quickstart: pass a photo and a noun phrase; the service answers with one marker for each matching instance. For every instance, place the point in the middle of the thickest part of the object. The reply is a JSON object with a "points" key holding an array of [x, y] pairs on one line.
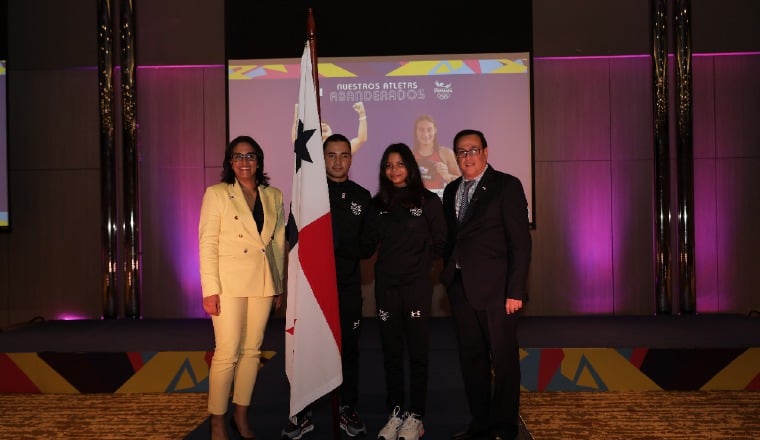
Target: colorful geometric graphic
{"points": [[543, 369], [94, 372], [640, 369], [351, 69]]}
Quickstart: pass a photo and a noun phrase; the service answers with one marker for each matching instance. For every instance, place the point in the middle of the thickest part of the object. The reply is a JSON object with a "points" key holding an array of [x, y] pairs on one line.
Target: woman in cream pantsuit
{"points": [[241, 277]]}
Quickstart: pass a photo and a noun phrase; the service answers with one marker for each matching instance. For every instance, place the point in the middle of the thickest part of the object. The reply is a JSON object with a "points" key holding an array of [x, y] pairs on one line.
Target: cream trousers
{"points": [[238, 333]]}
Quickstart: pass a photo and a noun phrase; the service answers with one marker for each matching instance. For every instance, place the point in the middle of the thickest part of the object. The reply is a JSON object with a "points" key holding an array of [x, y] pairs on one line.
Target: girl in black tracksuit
{"points": [[411, 235]]}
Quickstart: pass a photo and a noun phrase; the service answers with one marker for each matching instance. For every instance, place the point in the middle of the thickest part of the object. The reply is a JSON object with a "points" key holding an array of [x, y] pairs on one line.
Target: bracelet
{"points": [[363, 118]]}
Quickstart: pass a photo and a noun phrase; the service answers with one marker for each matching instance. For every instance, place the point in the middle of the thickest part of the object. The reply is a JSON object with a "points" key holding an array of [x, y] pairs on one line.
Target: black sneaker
{"points": [[298, 426], [350, 422]]}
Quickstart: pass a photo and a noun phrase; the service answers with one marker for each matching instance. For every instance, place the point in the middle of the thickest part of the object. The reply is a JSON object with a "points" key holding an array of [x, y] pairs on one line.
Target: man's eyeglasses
{"points": [[461, 154], [237, 157]]}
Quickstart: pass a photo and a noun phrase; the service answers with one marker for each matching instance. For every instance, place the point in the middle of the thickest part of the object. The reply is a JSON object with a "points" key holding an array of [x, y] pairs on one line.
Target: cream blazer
{"points": [[232, 252]]}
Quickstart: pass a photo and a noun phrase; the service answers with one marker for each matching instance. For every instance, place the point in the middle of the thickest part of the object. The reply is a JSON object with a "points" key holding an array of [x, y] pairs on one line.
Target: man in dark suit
{"points": [[486, 261]]}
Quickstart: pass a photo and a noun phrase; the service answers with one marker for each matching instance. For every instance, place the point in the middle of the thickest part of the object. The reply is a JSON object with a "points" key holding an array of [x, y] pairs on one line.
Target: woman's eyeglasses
{"points": [[237, 157]]}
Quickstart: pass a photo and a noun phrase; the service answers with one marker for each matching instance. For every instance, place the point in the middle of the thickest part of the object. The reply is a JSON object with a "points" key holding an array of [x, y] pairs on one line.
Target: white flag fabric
{"points": [[312, 324]]}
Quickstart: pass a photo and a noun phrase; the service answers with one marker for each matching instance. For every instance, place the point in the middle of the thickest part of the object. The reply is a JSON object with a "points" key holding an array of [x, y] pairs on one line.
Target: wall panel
{"points": [[55, 245], [171, 199], [632, 119], [171, 116], [737, 104], [179, 32], [58, 110], [725, 25], [54, 194], [706, 262], [738, 237], [703, 94], [572, 109], [632, 180], [632, 237], [215, 114], [590, 27], [170, 112], [52, 34], [571, 271]]}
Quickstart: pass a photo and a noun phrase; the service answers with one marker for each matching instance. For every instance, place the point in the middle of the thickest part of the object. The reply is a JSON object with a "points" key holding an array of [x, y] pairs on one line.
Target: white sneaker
{"points": [[390, 430], [412, 428]]}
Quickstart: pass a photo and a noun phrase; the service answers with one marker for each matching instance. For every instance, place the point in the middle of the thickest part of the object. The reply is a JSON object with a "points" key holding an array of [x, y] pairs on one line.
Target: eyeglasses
{"points": [[461, 154], [237, 157]]}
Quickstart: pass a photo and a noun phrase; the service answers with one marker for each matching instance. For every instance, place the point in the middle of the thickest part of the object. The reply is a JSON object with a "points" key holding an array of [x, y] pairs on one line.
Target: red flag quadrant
{"points": [[312, 323]]}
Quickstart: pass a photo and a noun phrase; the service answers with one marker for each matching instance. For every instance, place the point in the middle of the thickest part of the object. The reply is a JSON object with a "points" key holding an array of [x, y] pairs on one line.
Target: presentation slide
{"points": [[417, 100]]}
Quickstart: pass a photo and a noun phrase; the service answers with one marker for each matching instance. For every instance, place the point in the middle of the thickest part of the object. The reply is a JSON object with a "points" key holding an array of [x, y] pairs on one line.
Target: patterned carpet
{"points": [[646, 415], [101, 416], [643, 415]]}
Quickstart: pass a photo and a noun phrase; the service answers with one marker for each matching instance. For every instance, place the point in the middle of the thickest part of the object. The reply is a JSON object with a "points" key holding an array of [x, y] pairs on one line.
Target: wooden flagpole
{"points": [[311, 37]]}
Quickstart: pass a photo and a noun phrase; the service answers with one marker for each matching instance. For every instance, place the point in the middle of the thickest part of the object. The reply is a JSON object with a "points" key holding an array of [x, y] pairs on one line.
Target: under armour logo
{"points": [[415, 314]]}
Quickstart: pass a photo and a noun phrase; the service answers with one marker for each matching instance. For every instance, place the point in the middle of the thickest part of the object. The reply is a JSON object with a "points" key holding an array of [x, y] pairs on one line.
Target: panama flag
{"points": [[312, 325]]}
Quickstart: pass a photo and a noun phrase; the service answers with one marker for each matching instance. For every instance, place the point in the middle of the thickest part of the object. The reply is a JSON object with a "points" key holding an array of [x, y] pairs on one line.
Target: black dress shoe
{"points": [[237, 431]]}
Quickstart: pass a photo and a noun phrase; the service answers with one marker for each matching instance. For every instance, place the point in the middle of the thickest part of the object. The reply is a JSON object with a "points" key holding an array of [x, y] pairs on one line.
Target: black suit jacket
{"points": [[492, 244]]}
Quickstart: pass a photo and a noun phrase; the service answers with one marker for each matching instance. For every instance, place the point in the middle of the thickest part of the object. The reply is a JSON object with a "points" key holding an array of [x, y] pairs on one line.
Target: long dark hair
{"points": [[387, 194], [228, 175]]}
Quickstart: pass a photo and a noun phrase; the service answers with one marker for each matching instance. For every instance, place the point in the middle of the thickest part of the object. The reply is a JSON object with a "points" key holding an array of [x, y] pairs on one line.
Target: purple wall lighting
{"points": [[593, 161]]}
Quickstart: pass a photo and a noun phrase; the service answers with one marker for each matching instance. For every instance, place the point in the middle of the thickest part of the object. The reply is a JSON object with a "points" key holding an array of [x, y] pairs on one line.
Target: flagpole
{"points": [[311, 37]]}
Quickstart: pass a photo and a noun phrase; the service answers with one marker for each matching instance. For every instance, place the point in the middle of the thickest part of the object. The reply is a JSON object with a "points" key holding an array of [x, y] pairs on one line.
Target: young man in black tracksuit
{"points": [[354, 239]]}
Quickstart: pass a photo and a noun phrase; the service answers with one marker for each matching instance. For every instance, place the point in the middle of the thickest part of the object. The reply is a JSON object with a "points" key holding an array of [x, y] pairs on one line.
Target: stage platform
{"points": [[593, 353]]}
